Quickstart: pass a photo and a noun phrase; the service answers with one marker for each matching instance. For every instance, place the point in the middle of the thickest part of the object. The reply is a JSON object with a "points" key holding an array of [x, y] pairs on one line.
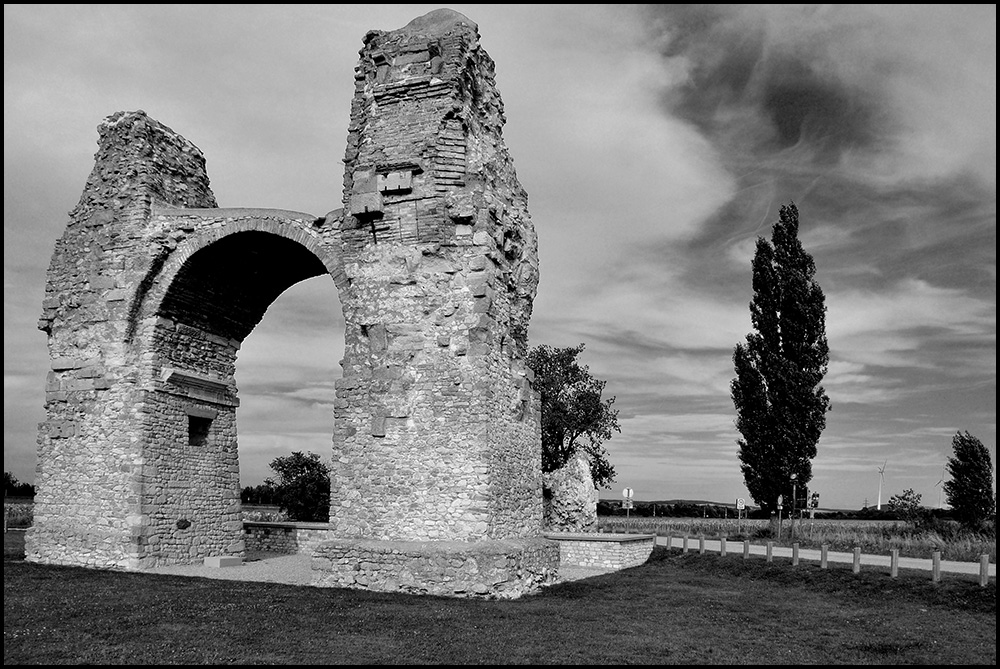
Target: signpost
{"points": [[741, 505], [627, 494], [795, 505], [813, 505], [780, 504]]}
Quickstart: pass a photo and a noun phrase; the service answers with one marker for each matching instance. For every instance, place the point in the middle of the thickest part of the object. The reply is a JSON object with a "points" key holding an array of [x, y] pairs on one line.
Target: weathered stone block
{"points": [[366, 204], [219, 561]]}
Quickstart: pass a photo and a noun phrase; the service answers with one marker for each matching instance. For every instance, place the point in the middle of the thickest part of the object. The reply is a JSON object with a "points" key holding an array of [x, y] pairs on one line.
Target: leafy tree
{"points": [[780, 405], [907, 507], [14, 488], [970, 490], [574, 416], [302, 487]]}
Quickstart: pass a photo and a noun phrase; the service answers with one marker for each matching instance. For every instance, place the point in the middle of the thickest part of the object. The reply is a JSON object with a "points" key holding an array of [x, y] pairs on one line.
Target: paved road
{"points": [[813, 555]]}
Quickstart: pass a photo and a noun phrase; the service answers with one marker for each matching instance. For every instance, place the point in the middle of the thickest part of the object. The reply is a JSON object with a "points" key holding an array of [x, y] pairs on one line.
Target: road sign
{"points": [[627, 493], [627, 504], [740, 504]]}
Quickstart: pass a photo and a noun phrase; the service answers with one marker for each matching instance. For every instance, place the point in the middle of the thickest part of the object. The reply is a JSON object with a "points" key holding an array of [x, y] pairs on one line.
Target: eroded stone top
{"points": [[438, 21]]}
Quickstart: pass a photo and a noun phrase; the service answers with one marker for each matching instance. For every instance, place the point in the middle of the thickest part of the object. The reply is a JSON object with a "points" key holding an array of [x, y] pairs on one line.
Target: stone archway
{"points": [[205, 301], [437, 456]]}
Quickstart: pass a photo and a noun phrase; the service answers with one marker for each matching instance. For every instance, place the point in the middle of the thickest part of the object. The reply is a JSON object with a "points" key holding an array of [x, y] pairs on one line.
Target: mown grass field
{"points": [[676, 609]]}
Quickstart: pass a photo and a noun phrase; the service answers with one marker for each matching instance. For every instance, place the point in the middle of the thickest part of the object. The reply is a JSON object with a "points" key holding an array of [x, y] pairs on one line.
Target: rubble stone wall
{"points": [[437, 431], [485, 569], [288, 538], [89, 475], [603, 551]]}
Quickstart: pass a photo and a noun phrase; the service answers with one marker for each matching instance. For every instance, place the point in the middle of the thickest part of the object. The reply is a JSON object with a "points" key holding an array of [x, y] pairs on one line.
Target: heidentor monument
{"points": [[436, 484]]}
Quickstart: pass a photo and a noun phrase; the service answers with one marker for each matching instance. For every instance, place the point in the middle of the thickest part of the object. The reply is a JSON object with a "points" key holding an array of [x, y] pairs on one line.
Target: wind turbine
{"points": [[881, 479], [940, 484]]}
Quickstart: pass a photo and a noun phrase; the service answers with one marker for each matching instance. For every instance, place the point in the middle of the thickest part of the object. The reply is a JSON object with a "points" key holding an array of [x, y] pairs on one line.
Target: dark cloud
{"points": [[753, 90], [719, 78], [862, 232], [827, 115]]}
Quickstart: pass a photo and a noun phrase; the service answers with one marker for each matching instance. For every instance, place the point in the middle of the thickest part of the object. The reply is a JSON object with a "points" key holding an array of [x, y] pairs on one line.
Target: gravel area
{"points": [[273, 567]]}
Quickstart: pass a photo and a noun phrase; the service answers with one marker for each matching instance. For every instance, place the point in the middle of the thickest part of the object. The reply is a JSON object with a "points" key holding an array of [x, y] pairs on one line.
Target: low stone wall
{"points": [[287, 538], [603, 551], [486, 569]]}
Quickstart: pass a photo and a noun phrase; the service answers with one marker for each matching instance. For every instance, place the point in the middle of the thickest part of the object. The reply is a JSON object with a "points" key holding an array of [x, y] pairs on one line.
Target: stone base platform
{"points": [[609, 552], [487, 569]]}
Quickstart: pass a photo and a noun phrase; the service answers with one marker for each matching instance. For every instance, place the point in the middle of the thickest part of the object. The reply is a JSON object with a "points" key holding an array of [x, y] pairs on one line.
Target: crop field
{"points": [[872, 536], [17, 514]]}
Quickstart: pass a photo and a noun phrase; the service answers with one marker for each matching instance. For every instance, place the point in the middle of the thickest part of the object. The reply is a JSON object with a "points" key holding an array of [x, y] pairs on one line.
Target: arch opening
{"points": [[190, 433], [225, 288], [286, 371]]}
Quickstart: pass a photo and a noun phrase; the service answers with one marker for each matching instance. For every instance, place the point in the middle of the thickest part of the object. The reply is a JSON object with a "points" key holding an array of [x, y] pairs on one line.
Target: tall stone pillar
{"points": [[89, 508], [437, 432]]}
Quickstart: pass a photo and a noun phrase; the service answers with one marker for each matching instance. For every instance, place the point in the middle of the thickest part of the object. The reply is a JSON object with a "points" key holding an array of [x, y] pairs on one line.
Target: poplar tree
{"points": [[780, 405]]}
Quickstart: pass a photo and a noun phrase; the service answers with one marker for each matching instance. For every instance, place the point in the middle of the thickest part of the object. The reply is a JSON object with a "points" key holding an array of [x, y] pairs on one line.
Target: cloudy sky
{"points": [[655, 143]]}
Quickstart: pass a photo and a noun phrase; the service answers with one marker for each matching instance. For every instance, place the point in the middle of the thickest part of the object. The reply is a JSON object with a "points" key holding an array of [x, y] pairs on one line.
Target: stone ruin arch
{"points": [[436, 481]]}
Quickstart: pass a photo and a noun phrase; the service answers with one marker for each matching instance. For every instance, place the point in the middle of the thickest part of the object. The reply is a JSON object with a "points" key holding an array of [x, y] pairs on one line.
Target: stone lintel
{"points": [[182, 377], [196, 386]]}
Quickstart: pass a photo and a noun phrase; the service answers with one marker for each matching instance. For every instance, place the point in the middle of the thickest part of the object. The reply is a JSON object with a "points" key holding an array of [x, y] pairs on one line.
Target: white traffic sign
{"points": [[740, 504], [627, 493]]}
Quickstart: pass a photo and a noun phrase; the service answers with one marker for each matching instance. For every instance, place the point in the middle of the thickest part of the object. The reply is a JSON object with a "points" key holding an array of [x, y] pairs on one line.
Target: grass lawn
{"points": [[676, 609]]}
